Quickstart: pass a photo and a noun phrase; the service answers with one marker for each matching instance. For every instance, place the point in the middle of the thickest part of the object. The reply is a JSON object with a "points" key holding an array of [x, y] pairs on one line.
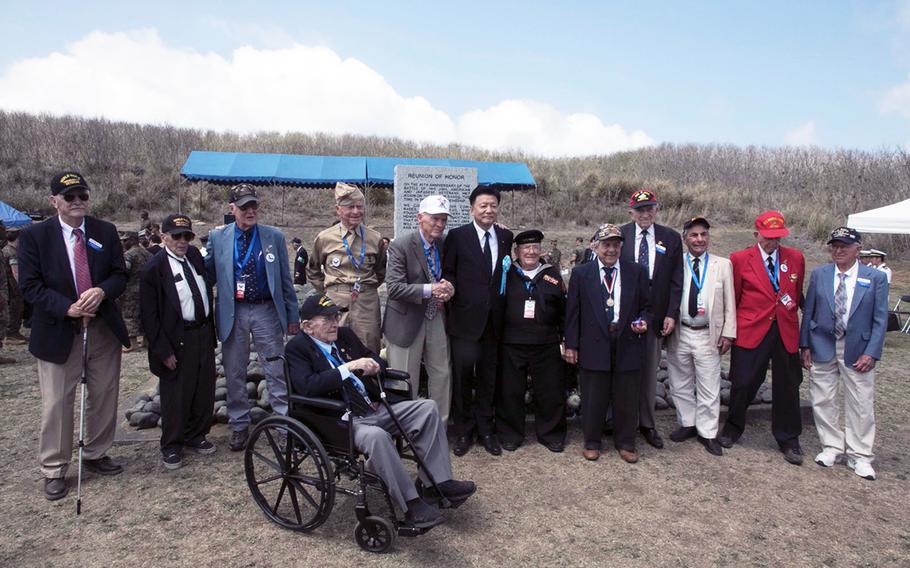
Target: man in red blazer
{"points": [[768, 280]]}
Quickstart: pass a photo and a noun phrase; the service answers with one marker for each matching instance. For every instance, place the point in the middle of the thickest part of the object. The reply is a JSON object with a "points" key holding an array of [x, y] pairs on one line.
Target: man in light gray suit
{"points": [[844, 321], [249, 263], [414, 322]]}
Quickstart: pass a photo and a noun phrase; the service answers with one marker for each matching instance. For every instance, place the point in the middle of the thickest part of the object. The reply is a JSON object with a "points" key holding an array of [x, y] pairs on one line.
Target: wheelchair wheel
{"points": [[289, 474], [375, 534]]}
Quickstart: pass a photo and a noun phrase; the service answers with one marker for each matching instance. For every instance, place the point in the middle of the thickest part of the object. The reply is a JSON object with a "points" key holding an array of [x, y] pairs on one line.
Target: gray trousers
{"points": [[260, 320], [648, 384], [420, 419]]}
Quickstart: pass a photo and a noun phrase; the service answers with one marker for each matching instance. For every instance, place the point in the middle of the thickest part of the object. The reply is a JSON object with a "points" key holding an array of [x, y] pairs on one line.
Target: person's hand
{"points": [[805, 356], [91, 299], [570, 356], [669, 326], [171, 362], [365, 365], [75, 311], [864, 364], [640, 326], [500, 225], [724, 344], [293, 328]]}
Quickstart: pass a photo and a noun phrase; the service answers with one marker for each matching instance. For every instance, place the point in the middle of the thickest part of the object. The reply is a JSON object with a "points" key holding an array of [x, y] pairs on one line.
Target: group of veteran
{"points": [[479, 309]]}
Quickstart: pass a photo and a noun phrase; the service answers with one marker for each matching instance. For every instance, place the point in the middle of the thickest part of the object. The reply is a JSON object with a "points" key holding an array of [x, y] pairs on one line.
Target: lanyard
{"points": [[773, 277], [328, 354], [701, 280], [529, 285], [506, 264], [434, 266], [249, 249], [612, 284], [363, 247]]}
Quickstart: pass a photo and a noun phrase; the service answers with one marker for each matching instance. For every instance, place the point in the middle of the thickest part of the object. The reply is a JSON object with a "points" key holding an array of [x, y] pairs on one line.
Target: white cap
{"points": [[434, 205]]}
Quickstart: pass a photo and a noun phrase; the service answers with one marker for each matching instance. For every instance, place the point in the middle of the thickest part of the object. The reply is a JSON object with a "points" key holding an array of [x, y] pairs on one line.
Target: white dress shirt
{"points": [[617, 287], [494, 242], [652, 251], [327, 348], [184, 292], [684, 316], [850, 282], [69, 240]]}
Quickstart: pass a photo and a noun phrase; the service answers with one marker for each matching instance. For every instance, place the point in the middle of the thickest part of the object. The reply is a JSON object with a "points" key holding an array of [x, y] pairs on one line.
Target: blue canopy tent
{"points": [[13, 218]]}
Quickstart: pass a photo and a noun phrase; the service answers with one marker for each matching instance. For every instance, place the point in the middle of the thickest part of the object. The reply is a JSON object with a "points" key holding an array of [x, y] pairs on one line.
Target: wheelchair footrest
{"points": [[408, 530]]}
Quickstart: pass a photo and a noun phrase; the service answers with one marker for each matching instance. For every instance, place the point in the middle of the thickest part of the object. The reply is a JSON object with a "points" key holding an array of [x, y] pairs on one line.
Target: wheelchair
{"points": [[296, 464]]}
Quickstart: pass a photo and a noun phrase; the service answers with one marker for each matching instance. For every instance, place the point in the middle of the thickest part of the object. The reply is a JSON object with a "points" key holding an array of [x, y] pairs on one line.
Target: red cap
{"points": [[642, 197], [770, 225]]}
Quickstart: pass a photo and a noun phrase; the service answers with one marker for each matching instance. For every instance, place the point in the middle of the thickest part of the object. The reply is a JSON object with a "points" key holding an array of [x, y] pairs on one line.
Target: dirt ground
{"points": [[677, 507]]}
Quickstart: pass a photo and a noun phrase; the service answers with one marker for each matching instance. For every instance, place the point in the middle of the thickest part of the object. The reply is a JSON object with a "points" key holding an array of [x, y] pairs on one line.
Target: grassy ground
{"points": [[677, 507]]}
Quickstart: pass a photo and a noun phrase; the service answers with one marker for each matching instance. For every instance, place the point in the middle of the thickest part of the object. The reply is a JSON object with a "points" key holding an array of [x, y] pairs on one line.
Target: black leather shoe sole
{"points": [[510, 446], [103, 468], [711, 446], [555, 447]]}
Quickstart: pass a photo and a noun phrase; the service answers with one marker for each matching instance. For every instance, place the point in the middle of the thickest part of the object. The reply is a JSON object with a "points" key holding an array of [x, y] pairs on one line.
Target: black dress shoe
{"points": [[55, 488], [422, 515], [793, 455], [103, 466], [491, 444], [683, 433], [238, 439], [510, 446], [712, 446], [462, 445], [725, 441], [652, 437], [555, 447]]}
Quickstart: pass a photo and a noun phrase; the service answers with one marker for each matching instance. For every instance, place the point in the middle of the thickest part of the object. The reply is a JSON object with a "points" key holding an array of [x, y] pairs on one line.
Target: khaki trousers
{"points": [[693, 362], [859, 414], [363, 315], [430, 345], [58, 384]]}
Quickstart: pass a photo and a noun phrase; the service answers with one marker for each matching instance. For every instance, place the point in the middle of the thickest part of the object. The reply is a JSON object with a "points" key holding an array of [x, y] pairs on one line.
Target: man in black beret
{"points": [[534, 307]]}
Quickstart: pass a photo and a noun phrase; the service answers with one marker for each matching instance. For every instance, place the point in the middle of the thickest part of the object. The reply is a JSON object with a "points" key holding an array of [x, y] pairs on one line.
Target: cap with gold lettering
{"points": [[607, 231], [243, 193], [347, 194], [177, 224], [770, 225], [68, 181], [642, 198]]}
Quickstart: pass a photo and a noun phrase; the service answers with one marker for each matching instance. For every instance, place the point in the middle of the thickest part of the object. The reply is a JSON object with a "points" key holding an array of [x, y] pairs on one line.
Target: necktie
{"points": [[432, 309], [643, 251], [608, 281], [248, 271], [840, 306], [771, 270], [335, 354], [80, 259], [693, 290], [198, 306], [487, 251]]}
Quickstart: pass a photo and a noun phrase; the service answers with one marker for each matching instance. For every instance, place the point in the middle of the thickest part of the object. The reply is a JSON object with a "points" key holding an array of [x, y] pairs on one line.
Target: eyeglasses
{"points": [[70, 197], [183, 237], [254, 205]]}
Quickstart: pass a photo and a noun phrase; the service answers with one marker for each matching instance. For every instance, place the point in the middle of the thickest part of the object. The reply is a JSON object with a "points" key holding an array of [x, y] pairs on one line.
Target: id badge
{"points": [[788, 302], [238, 293], [700, 306], [355, 291], [529, 309]]}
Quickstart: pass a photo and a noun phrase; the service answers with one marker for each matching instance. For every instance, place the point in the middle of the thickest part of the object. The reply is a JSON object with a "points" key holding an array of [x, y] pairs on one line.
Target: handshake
{"points": [[442, 290]]}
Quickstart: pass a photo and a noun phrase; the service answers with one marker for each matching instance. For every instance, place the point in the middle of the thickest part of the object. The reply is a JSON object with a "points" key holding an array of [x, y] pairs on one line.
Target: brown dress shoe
{"points": [[627, 456], [590, 454]]}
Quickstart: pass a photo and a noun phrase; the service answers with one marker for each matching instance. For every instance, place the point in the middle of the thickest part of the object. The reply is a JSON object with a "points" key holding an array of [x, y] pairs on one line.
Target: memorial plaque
{"points": [[413, 183]]}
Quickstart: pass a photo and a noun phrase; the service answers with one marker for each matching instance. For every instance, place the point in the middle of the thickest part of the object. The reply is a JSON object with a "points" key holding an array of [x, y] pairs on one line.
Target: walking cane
{"points": [[82, 414]]}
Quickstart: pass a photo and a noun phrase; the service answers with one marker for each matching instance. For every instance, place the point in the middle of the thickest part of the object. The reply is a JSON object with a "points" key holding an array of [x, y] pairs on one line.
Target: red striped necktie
{"points": [[80, 259]]}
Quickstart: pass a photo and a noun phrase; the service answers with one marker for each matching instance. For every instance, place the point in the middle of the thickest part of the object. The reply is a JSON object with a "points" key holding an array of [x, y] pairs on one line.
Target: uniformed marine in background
{"points": [[554, 257], [16, 302], [348, 265], [134, 257], [4, 296]]}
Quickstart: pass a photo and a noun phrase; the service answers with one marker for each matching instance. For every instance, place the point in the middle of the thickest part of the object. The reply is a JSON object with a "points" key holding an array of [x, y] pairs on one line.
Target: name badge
{"points": [[238, 293], [529, 309], [864, 282], [700, 306], [95, 244], [661, 249], [270, 257], [788, 302]]}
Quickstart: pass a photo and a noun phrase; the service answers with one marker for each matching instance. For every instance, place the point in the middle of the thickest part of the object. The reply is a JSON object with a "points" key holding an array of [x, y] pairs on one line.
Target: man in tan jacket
{"points": [[707, 316]]}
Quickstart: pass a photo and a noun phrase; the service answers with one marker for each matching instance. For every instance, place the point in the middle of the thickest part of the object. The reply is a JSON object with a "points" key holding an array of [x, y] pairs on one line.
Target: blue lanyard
{"points": [[249, 249], [434, 266], [527, 282], [328, 355], [701, 280], [506, 264], [773, 277], [363, 247]]}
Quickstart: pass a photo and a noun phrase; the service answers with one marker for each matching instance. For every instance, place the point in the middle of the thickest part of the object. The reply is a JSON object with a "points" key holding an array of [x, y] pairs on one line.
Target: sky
{"points": [[548, 78]]}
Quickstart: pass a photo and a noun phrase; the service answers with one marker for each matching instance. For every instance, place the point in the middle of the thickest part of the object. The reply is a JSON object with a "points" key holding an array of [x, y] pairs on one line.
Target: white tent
{"points": [[892, 219]]}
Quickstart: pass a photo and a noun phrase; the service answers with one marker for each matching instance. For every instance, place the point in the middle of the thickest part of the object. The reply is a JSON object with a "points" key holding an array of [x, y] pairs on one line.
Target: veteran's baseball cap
{"points": [[243, 193], [845, 235], [607, 231], [696, 221], [434, 205], [68, 181], [317, 305], [770, 225], [177, 224], [642, 198]]}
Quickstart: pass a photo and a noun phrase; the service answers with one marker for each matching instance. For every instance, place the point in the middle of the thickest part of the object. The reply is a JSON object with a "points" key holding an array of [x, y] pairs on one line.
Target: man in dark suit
{"points": [[71, 270], [414, 322], [606, 319], [176, 312], [658, 249], [473, 264], [300, 260], [325, 355]]}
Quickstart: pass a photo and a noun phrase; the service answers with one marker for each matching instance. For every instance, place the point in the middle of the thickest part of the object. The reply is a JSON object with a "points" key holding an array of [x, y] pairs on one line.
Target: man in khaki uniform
{"points": [[4, 297], [348, 265], [16, 302], [134, 257]]}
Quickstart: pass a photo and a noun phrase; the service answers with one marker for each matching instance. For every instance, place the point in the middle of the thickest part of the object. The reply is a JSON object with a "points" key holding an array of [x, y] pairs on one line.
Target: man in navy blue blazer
{"points": [[607, 314], [844, 322]]}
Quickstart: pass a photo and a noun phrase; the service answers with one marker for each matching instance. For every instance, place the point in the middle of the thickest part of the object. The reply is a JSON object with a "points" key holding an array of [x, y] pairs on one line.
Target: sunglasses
{"points": [[184, 237], [70, 197]]}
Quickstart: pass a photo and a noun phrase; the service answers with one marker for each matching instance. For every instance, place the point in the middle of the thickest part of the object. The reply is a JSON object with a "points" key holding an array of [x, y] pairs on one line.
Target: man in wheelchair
{"points": [[330, 361]]}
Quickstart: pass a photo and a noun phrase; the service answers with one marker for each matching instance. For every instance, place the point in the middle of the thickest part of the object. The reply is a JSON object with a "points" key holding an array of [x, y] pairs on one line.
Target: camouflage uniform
{"points": [[6, 274], [128, 302], [16, 302]]}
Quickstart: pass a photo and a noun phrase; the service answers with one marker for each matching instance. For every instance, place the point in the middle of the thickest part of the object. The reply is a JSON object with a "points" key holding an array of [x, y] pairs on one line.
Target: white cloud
{"points": [[803, 135], [135, 76]]}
